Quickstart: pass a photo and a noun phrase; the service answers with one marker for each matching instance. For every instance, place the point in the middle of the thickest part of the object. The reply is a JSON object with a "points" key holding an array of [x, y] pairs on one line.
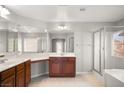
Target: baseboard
{"points": [[34, 76], [41, 74], [82, 72]]}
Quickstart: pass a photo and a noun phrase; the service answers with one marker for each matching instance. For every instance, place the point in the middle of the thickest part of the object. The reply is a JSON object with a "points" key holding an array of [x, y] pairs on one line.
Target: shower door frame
{"points": [[99, 52]]}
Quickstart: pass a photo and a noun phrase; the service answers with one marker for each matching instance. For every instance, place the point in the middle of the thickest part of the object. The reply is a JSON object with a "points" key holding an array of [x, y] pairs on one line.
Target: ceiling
{"points": [[67, 13]]}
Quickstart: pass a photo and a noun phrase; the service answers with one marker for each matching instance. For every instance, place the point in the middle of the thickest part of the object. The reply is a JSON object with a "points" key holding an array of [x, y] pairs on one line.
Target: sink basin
{"points": [[3, 60]]}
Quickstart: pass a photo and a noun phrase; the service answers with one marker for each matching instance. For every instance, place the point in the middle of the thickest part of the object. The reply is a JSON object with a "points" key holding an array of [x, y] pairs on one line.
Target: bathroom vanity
{"points": [[17, 76], [62, 66], [16, 70]]}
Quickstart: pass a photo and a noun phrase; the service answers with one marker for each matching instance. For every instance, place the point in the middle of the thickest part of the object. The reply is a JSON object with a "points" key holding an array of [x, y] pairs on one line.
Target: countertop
{"points": [[15, 59], [116, 73]]}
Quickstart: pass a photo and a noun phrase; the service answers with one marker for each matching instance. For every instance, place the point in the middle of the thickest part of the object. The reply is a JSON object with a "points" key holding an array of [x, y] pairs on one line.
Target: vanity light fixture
{"points": [[62, 27]]}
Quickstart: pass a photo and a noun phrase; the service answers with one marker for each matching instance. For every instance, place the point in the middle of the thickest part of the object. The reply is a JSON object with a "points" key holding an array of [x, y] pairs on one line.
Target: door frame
{"points": [[99, 52]]}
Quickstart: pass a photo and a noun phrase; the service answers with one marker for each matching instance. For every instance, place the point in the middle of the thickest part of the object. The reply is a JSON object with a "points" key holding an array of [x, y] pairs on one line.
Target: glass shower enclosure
{"points": [[108, 48]]}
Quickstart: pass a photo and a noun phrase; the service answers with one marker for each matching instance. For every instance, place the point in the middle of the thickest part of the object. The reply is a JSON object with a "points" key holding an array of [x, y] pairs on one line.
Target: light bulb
{"points": [[45, 30]]}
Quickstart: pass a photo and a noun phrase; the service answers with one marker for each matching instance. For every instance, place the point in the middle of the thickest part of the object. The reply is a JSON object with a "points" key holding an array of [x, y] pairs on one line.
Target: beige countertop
{"points": [[15, 59]]}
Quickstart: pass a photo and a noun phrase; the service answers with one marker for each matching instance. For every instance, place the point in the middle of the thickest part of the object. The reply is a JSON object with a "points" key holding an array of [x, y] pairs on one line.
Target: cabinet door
{"points": [[8, 82], [27, 72], [20, 73], [55, 67], [20, 79], [68, 68]]}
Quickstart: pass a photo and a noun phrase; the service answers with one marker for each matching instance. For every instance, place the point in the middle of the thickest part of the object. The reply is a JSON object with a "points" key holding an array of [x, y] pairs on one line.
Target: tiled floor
{"points": [[81, 80]]}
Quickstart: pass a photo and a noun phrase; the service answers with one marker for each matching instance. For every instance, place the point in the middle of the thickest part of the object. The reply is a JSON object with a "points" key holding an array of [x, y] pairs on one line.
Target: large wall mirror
{"points": [[26, 39], [8, 37], [33, 42], [62, 42]]}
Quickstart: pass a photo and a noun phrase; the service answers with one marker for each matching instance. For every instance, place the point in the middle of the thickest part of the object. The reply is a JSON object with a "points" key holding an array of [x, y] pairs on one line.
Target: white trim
{"points": [[82, 72]]}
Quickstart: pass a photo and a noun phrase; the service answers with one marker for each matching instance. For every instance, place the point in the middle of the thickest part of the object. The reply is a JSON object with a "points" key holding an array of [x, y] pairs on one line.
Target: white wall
{"points": [[83, 50]]}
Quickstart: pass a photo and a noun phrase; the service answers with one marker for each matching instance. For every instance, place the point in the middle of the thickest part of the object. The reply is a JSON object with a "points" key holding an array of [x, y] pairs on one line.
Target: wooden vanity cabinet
{"points": [[18, 76], [62, 66], [7, 78]]}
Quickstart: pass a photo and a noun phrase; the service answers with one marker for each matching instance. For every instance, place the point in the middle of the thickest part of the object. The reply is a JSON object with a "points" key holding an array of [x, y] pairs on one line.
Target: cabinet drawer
{"points": [[54, 59], [71, 59], [5, 74], [64, 59], [20, 67], [58, 59]]}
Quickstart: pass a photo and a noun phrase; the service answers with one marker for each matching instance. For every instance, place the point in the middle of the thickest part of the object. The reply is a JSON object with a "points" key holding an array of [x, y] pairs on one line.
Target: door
{"points": [[68, 68], [56, 68], [20, 78], [97, 52]]}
